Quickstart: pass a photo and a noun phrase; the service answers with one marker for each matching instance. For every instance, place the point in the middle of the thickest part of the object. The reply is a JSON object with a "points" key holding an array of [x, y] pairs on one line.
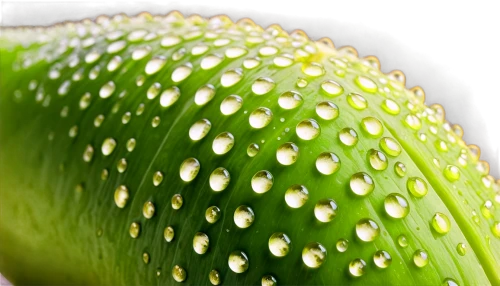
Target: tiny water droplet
{"points": [[145, 258], [449, 282], [88, 153], [253, 150], [121, 166], [301, 82], [461, 249], [199, 129], [169, 96], [413, 122], [153, 90], [314, 254], [402, 241], [251, 63], [211, 61], [181, 72], [400, 169]]}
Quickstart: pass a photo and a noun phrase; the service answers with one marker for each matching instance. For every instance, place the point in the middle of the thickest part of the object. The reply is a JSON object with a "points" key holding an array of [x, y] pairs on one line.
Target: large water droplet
{"points": [[262, 85], [417, 187], [313, 69], [231, 104], [372, 126], [244, 216], [290, 100], [357, 267], [155, 64], [390, 106], [200, 243], [219, 179], [178, 273], [121, 196], [420, 258], [314, 254], [287, 153], [107, 89], [108, 146], [366, 84], [382, 259], [308, 129], [211, 61], [189, 169], [327, 163], [377, 160], [332, 88], [238, 261], [296, 196], [390, 146], [361, 184], [327, 110], [204, 94], [357, 101], [169, 96], [231, 77], [396, 206], [260, 117], [223, 143], [367, 229], [325, 210], [279, 244], [153, 90], [441, 223], [262, 181], [199, 129], [182, 72], [348, 136]]}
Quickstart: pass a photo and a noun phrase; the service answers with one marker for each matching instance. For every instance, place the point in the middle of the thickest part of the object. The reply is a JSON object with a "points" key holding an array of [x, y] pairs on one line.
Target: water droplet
{"points": [[396, 205], [145, 258], [181, 72], [268, 51], [357, 101], [140, 109], [231, 77], [313, 69], [153, 90], [126, 117], [177, 201], [449, 282], [382, 259], [104, 174], [88, 153], [327, 163], [400, 169], [157, 178], [251, 63], [314, 254], [495, 229], [168, 233], [238, 261], [284, 60], [367, 229], [296, 196], [140, 53], [223, 143], [212, 214], [219, 179], [262, 181], [199, 129], [301, 82], [121, 196], [372, 126], [361, 184], [92, 57], [189, 169], [178, 273], [390, 146], [452, 173], [85, 101], [211, 61], [377, 159], [390, 106], [287, 153], [107, 89], [268, 280], [402, 241], [243, 216], [148, 210], [155, 64], [417, 187], [327, 110], [357, 267], [461, 249], [260, 117], [279, 244], [325, 210], [420, 258], [348, 136], [253, 150], [342, 245], [156, 121], [114, 63], [413, 122], [231, 104], [214, 277], [441, 223], [366, 84], [235, 52], [263, 85], [169, 96], [290, 100], [121, 166], [200, 243], [332, 88], [64, 88], [308, 129], [139, 81], [204, 94], [108, 146], [134, 230]]}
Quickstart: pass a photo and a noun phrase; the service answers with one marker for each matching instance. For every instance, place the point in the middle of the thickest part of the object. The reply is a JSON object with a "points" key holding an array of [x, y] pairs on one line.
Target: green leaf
{"points": [[150, 150]]}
